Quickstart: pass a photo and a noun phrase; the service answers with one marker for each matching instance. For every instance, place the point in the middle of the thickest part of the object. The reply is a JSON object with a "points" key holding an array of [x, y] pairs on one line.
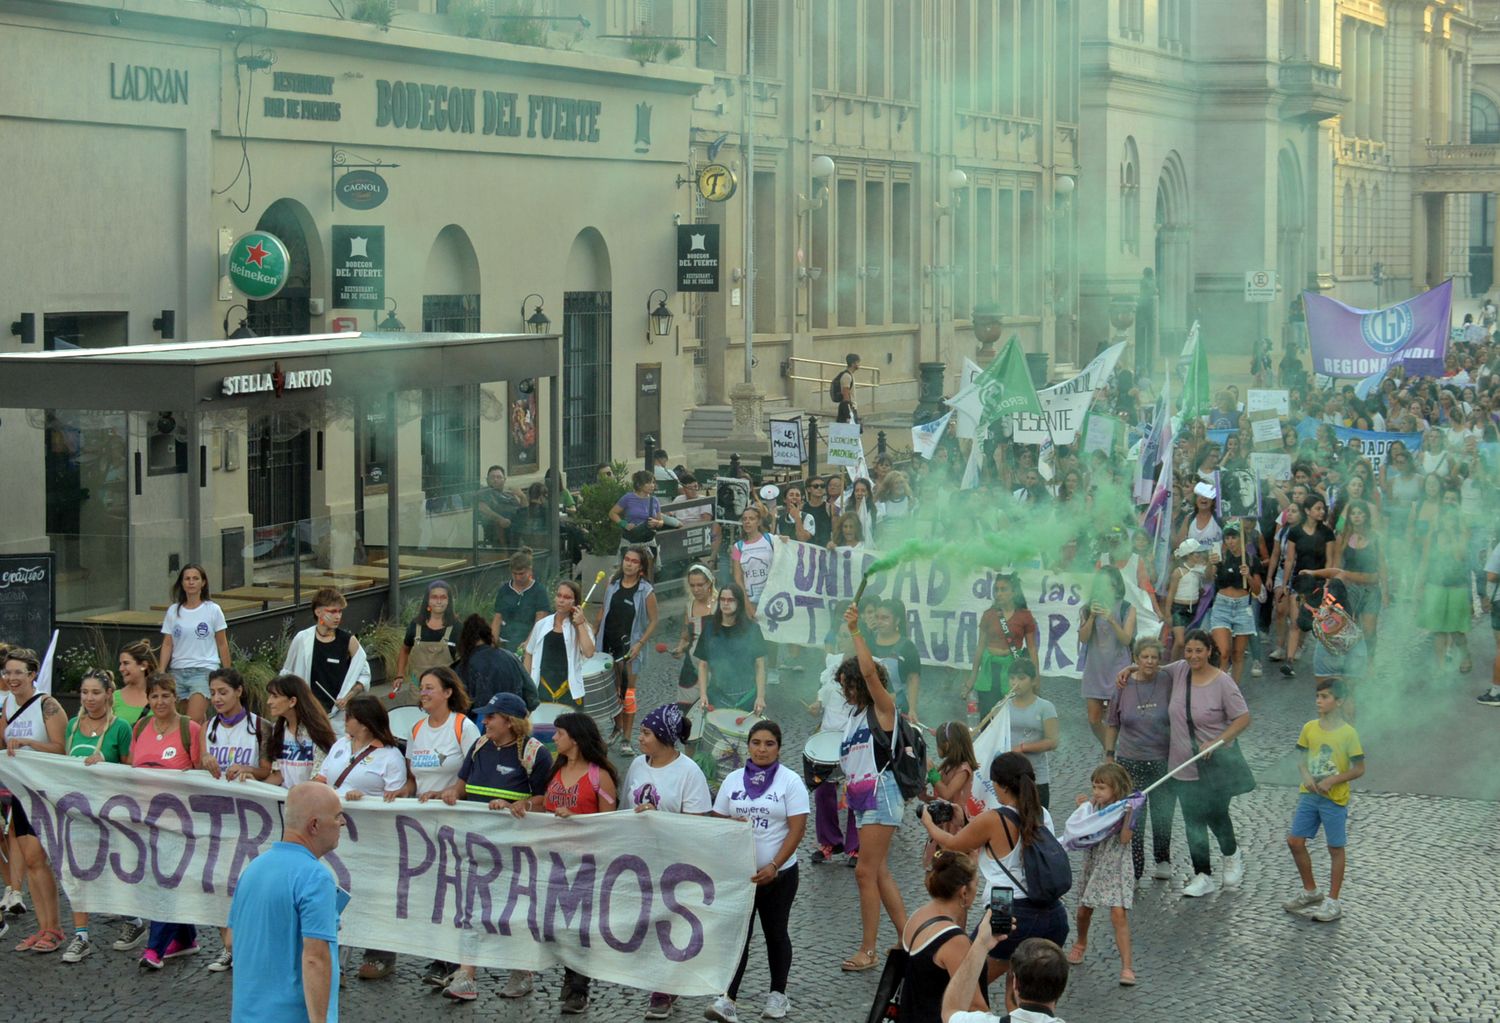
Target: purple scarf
{"points": [[758, 779]]}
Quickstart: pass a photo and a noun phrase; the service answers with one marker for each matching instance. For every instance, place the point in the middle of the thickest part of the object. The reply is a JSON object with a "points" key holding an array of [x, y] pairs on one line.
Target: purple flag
{"points": [[1349, 342]]}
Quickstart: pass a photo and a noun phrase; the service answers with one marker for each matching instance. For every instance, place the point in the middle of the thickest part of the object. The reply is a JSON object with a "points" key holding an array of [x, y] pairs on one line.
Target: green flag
{"points": [[1005, 387], [1197, 398]]}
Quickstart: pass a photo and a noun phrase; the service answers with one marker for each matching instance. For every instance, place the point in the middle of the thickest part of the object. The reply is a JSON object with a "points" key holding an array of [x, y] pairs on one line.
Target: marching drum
{"points": [[726, 734], [820, 758], [544, 718], [601, 696]]}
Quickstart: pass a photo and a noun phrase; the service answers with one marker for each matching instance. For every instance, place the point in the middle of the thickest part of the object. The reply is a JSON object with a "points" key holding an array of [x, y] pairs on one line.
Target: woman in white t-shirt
{"points": [[195, 639], [438, 743], [661, 778], [300, 736], [366, 761], [774, 802]]}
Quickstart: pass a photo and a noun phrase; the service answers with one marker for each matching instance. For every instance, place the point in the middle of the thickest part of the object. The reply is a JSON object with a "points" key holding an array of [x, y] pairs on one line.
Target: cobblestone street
{"points": [[1414, 942]]}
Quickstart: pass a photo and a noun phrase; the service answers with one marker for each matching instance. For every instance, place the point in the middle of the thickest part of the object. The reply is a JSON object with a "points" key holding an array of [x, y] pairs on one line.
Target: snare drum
{"points": [[820, 758], [726, 734], [601, 698], [543, 720]]}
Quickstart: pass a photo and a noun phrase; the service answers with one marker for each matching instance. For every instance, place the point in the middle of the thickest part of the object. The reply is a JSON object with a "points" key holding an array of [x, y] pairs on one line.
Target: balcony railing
{"points": [[1303, 74], [1464, 156]]}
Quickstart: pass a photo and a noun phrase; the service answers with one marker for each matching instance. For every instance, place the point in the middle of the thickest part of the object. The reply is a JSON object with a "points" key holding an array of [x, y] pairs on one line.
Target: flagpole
{"points": [[993, 711], [1205, 751]]}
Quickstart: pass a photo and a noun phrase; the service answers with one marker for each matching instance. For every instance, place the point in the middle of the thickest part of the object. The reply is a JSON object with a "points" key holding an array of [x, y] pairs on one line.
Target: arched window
{"points": [[1130, 199], [1484, 120]]}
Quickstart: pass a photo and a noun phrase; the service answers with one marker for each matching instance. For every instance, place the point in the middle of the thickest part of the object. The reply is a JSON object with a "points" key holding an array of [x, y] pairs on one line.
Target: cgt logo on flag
{"points": [[1387, 330]]}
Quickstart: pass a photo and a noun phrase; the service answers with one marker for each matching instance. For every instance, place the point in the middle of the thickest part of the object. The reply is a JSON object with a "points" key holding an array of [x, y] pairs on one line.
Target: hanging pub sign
{"points": [[358, 267], [697, 257], [361, 190], [259, 265]]}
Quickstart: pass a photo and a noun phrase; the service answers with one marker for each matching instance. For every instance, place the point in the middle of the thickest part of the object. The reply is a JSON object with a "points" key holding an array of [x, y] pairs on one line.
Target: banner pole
{"points": [[1205, 751], [993, 711]]}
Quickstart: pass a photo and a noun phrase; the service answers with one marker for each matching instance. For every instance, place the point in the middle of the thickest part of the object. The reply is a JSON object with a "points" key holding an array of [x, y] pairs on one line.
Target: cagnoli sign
{"points": [[276, 381]]}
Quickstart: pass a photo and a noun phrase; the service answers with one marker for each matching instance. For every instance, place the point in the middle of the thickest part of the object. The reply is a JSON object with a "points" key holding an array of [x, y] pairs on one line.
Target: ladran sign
{"points": [[276, 381], [145, 84]]}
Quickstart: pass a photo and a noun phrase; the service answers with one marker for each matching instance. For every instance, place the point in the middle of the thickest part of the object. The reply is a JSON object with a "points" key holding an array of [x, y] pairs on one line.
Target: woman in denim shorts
{"points": [[1238, 579]]}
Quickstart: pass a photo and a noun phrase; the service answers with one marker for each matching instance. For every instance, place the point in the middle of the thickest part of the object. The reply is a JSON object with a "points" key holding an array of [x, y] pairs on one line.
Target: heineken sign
{"points": [[258, 265], [361, 190]]}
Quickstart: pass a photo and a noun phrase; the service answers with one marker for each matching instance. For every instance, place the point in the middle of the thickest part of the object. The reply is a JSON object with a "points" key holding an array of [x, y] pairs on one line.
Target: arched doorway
{"points": [[587, 356], [450, 415], [1172, 245], [279, 444], [1291, 235]]}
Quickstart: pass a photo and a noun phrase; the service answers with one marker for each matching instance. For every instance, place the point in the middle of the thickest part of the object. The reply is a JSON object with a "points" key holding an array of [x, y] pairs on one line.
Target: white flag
{"points": [[1088, 826], [44, 673], [924, 438], [971, 467], [967, 402], [992, 740]]}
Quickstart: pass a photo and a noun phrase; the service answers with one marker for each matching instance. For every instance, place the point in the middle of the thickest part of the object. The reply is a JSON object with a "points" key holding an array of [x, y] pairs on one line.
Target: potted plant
{"points": [[601, 536]]}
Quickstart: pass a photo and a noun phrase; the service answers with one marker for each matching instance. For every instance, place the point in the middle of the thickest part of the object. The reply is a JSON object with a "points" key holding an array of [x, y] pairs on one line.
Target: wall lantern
{"points": [[537, 322], [659, 319]]}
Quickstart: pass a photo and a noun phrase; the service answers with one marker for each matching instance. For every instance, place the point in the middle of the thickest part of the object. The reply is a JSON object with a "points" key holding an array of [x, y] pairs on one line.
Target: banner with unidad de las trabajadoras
{"points": [[626, 898], [809, 586]]}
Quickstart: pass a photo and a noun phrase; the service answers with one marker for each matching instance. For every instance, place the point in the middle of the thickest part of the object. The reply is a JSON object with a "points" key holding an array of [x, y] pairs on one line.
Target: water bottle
{"points": [[971, 714]]}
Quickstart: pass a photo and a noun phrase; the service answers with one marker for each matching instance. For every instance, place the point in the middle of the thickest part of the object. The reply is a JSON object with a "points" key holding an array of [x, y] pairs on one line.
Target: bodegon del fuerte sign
{"points": [[426, 107]]}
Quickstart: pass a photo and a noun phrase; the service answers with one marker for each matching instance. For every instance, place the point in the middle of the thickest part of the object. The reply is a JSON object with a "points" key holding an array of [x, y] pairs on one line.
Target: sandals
{"points": [[1127, 978], [1076, 953], [861, 961], [48, 941]]}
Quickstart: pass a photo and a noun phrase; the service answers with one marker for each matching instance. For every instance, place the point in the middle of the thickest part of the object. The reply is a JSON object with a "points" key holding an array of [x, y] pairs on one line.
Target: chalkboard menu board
{"points": [[28, 599]]}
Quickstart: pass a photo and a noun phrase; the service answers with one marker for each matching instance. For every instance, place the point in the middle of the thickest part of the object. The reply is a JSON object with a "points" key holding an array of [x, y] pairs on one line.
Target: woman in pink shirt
{"points": [[166, 741]]}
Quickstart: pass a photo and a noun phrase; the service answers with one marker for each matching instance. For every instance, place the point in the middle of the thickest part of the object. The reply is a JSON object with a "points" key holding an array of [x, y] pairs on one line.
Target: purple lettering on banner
{"points": [[966, 641], [917, 632], [984, 587], [162, 804], [939, 637], [133, 811], [805, 574], [938, 582], [449, 875], [477, 890], [576, 899], [519, 855], [1057, 627], [906, 575], [677, 874], [341, 872], [814, 605], [247, 845], [216, 808], [405, 872], [74, 809], [46, 828], [637, 866]]}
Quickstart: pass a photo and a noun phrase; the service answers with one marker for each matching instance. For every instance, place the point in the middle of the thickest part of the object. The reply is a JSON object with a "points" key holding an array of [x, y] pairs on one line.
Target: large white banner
{"points": [[809, 586], [622, 897], [1067, 404]]}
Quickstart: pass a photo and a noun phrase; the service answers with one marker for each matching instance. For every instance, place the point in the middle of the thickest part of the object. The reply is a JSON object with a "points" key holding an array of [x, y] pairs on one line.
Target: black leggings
{"points": [[773, 904], [1204, 809], [1161, 803]]}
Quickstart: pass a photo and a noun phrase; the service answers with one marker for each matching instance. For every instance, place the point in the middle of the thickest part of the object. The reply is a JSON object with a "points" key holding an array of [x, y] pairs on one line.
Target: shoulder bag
{"points": [[1226, 770]]}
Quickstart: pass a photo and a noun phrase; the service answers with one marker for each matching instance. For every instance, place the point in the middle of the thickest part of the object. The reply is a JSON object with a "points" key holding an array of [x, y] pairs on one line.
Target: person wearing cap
{"points": [[1186, 585], [1202, 523], [507, 769], [1238, 577]]}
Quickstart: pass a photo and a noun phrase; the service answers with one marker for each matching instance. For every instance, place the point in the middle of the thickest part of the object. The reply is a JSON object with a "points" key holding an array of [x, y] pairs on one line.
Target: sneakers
{"points": [[722, 1010], [1234, 869], [1256, 671], [1489, 699], [1162, 871], [150, 960], [575, 1002], [1200, 885], [223, 962], [660, 1006], [1288, 670], [132, 936], [1278, 654], [777, 1006], [627, 749], [1303, 902], [12, 903], [1327, 911], [518, 986], [462, 988], [176, 950], [77, 949], [437, 975]]}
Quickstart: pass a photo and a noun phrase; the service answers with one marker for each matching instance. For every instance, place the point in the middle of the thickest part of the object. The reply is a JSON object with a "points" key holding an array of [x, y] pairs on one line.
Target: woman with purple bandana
{"points": [[774, 801], [662, 779]]}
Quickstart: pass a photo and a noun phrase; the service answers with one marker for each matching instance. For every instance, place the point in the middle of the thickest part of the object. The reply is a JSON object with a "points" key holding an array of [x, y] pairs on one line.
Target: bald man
{"points": [[285, 918]]}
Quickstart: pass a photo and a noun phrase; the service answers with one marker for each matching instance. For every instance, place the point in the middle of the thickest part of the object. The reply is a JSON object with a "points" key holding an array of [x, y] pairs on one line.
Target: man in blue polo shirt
{"points": [[285, 918]]}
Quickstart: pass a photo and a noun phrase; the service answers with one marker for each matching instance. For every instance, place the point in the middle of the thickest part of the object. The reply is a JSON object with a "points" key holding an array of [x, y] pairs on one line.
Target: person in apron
{"points": [[431, 642]]}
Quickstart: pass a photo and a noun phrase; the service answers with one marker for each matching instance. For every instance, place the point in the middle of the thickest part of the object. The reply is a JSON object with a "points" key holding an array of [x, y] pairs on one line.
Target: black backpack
{"points": [[836, 387], [909, 759], [1045, 863]]}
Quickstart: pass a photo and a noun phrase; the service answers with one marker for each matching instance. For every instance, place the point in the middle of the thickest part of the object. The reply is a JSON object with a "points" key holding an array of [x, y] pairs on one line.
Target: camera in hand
{"points": [[1001, 901], [940, 810]]}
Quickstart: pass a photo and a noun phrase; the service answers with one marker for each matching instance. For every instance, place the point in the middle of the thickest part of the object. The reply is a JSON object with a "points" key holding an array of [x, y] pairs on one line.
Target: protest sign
{"points": [[809, 586], [1374, 444], [1259, 400], [1268, 465], [1265, 430], [1239, 493], [625, 898], [788, 447], [1100, 435], [731, 498], [844, 445], [1064, 412]]}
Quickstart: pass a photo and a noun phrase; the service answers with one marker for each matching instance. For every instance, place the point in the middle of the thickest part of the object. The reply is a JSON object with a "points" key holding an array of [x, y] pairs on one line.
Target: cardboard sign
{"points": [[844, 444], [1265, 430], [1271, 465], [1259, 400], [1100, 435], [788, 447]]}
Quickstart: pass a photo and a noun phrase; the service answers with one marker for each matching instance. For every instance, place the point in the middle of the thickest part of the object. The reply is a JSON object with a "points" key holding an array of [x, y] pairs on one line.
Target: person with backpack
{"points": [[1017, 850], [871, 788], [165, 740], [841, 390], [506, 769]]}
